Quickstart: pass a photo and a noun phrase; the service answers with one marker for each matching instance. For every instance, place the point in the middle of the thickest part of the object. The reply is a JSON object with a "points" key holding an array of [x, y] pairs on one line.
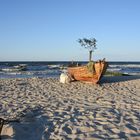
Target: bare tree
{"points": [[89, 44]]}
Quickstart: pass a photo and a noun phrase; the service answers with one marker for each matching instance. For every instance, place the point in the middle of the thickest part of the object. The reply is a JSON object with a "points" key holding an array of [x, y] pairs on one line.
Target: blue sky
{"points": [[48, 30]]}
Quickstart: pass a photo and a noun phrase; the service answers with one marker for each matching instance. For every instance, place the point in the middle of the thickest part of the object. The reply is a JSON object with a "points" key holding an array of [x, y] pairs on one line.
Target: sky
{"points": [[48, 30]]}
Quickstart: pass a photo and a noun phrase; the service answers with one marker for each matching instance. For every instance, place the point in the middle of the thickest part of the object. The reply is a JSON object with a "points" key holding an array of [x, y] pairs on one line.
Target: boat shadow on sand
{"points": [[115, 79]]}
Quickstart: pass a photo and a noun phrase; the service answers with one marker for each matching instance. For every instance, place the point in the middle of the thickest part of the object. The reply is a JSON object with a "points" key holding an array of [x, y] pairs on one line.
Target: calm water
{"points": [[54, 69]]}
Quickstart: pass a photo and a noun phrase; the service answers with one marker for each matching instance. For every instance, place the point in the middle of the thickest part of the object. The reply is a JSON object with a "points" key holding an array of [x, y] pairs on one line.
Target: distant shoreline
{"points": [[69, 61]]}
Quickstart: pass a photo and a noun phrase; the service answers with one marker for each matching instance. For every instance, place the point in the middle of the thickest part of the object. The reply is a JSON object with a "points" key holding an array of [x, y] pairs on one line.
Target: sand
{"points": [[48, 109]]}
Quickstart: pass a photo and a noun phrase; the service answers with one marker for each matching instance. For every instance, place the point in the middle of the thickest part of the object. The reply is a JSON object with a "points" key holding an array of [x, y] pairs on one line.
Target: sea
{"points": [[53, 69]]}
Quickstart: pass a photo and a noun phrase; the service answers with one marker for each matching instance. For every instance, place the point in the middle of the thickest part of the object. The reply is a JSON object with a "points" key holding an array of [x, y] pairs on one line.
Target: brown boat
{"points": [[82, 73]]}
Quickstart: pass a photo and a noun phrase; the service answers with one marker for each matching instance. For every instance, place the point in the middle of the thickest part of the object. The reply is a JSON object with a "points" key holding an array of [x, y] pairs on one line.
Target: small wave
{"points": [[125, 66], [132, 74], [114, 69]]}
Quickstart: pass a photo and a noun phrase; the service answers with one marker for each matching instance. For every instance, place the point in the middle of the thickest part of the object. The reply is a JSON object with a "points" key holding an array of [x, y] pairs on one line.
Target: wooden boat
{"points": [[81, 73]]}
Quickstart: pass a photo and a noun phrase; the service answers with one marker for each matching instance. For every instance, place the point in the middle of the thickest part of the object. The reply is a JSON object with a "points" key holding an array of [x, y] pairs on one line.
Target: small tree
{"points": [[89, 44]]}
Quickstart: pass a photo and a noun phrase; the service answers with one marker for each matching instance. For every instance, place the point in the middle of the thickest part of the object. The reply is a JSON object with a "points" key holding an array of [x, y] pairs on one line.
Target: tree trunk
{"points": [[90, 55]]}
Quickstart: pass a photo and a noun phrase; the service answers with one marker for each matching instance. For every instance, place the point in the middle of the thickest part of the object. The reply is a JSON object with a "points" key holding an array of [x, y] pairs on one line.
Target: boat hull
{"points": [[83, 74]]}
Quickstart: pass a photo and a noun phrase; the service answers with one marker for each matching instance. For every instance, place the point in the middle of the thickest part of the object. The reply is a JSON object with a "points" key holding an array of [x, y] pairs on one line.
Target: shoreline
{"points": [[48, 109]]}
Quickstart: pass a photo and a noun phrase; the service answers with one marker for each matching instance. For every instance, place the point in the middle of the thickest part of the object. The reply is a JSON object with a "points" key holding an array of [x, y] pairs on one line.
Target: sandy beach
{"points": [[48, 109]]}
